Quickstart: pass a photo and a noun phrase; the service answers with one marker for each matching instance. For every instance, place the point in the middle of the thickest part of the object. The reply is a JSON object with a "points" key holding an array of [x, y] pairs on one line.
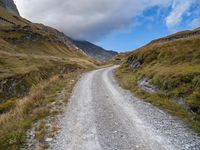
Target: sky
{"points": [[120, 25]]}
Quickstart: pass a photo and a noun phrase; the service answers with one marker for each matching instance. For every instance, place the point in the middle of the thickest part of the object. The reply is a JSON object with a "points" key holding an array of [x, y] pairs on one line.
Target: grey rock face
{"points": [[10, 6], [134, 63], [149, 88], [146, 86]]}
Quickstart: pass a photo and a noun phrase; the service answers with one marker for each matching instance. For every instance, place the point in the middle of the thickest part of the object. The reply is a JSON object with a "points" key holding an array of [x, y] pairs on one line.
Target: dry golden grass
{"points": [[19, 55], [33, 107], [38, 60], [4, 13], [23, 105]]}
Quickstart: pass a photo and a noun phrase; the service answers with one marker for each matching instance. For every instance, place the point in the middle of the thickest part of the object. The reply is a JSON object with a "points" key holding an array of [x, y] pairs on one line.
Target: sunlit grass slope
{"points": [[172, 65]]}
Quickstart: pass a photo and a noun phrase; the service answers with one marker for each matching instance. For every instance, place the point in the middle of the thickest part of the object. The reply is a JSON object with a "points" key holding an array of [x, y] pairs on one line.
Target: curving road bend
{"points": [[103, 116]]}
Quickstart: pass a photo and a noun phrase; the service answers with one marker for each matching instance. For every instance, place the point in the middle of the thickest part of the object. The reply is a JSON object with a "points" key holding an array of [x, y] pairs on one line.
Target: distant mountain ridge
{"points": [[95, 51]]}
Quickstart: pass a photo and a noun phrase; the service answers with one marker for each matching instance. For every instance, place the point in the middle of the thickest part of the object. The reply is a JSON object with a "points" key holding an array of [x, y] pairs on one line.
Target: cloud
{"points": [[93, 19], [179, 9], [85, 19]]}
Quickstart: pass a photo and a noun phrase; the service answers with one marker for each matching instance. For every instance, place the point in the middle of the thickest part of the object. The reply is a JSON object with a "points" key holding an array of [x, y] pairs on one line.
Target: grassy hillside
{"points": [[172, 65], [32, 52], [118, 59], [36, 62], [26, 47]]}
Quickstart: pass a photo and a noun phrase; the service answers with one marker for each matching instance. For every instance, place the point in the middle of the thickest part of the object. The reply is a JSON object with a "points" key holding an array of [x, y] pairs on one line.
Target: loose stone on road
{"points": [[103, 116]]}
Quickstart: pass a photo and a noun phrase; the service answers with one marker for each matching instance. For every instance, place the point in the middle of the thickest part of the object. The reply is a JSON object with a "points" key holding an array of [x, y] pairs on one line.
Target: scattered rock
{"points": [[146, 86], [149, 88], [52, 126], [49, 139]]}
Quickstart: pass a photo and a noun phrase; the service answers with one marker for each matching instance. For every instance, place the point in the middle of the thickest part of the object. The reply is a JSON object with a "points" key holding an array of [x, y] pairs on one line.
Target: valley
{"points": [[59, 93]]}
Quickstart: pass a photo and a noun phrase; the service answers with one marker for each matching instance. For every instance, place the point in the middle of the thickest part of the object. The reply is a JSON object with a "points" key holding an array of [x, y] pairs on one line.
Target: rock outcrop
{"points": [[134, 63], [10, 6]]}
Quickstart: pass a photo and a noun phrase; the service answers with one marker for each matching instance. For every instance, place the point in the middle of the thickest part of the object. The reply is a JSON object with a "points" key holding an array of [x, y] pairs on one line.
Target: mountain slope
{"points": [[10, 6], [28, 47], [95, 51], [22, 25], [36, 63], [166, 72]]}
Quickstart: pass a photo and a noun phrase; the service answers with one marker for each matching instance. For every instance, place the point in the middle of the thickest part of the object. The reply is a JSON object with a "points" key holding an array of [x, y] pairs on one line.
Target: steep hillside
{"points": [[10, 6], [166, 72], [36, 63], [19, 37], [95, 51], [26, 47]]}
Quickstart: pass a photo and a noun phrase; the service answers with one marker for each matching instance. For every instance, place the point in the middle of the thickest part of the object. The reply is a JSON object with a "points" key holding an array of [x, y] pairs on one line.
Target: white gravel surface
{"points": [[103, 116]]}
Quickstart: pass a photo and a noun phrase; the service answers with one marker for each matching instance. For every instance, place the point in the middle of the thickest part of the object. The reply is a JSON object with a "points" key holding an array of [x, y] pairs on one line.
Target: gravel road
{"points": [[103, 116]]}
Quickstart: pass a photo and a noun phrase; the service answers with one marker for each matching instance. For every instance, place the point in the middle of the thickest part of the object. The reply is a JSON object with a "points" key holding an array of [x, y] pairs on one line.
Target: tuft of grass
{"points": [[4, 107], [41, 131]]}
